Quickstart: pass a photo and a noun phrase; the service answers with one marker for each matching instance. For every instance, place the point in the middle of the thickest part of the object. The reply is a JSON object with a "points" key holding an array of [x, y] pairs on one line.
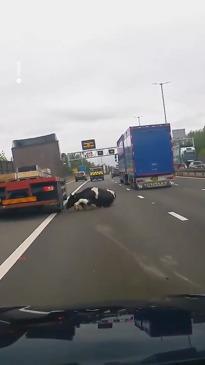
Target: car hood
{"points": [[165, 331]]}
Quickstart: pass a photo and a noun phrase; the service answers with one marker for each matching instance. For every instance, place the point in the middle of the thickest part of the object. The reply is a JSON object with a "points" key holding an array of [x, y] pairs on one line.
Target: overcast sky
{"points": [[84, 69]]}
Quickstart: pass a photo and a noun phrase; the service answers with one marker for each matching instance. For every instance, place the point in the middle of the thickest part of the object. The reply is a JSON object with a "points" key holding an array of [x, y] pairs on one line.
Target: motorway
{"points": [[147, 244]]}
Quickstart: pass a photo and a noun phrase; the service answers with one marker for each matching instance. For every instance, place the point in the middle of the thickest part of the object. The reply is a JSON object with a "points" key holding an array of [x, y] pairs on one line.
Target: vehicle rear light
{"points": [[170, 177], [48, 188], [140, 181]]}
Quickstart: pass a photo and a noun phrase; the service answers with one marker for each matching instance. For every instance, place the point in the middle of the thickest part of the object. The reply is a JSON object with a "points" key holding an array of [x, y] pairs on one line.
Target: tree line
{"points": [[199, 140]]}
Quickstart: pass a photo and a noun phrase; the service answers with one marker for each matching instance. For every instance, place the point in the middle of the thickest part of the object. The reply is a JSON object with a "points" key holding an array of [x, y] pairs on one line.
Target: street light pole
{"points": [[161, 84], [138, 118]]}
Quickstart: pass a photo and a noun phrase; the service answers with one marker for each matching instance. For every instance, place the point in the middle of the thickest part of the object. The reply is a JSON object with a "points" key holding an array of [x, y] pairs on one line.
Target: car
{"points": [[197, 165], [180, 166], [115, 172], [80, 175]]}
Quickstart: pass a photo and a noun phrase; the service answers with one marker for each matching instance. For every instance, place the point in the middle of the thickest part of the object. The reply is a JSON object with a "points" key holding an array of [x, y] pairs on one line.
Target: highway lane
{"points": [[185, 198], [131, 250]]}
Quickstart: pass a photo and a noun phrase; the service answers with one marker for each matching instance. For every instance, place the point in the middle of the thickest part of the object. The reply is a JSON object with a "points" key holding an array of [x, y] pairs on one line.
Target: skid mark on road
{"points": [[168, 260], [182, 277], [148, 267], [178, 216], [142, 261]]}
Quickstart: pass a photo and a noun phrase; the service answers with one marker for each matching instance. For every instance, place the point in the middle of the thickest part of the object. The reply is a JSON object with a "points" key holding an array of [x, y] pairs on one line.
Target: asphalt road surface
{"points": [[147, 244]]}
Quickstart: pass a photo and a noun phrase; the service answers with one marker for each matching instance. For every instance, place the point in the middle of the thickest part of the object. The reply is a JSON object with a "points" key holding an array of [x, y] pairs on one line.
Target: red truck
{"points": [[31, 188]]}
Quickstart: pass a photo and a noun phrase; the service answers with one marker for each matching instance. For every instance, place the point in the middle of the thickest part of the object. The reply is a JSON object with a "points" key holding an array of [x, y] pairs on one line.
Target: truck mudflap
{"points": [[154, 181]]}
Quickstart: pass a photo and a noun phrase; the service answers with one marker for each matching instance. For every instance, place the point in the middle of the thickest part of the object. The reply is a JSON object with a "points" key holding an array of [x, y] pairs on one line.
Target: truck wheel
{"points": [[58, 208], [126, 180], [134, 185], [65, 196]]}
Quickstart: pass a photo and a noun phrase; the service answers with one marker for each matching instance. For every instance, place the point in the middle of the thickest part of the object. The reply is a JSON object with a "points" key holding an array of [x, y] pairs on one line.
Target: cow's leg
{"points": [[81, 203]]}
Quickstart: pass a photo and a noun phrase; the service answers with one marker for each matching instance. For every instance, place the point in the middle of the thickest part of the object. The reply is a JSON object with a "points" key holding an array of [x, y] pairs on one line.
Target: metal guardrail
{"points": [[191, 172]]}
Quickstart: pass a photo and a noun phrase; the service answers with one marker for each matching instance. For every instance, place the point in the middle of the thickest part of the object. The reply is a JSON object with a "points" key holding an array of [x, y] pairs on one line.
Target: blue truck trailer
{"points": [[145, 156]]}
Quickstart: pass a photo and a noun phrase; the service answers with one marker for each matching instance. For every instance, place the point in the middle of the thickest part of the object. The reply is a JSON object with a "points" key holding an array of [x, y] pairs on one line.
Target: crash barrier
{"points": [[191, 172]]}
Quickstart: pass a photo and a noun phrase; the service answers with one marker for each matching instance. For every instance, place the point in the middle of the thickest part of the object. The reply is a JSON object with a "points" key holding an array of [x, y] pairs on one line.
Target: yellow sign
{"points": [[89, 144], [96, 173], [28, 199]]}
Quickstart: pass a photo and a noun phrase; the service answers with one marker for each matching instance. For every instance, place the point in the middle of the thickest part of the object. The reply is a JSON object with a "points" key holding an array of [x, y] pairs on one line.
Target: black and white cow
{"points": [[91, 196]]}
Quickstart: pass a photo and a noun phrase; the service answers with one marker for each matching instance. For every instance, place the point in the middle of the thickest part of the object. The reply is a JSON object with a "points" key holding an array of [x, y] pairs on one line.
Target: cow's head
{"points": [[72, 199]]}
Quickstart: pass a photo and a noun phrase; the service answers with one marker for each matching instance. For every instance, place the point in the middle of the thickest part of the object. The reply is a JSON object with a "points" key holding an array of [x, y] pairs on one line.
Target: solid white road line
{"points": [[178, 216], [69, 182], [11, 260], [140, 196], [79, 187]]}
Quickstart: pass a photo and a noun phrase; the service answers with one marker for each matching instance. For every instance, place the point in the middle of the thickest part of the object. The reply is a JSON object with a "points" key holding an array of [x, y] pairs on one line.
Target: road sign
{"points": [[178, 133], [111, 151], [100, 153], [88, 144], [89, 154]]}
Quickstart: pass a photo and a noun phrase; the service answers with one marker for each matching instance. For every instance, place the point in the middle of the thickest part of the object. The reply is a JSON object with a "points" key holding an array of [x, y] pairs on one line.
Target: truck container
{"points": [[42, 151], [145, 156]]}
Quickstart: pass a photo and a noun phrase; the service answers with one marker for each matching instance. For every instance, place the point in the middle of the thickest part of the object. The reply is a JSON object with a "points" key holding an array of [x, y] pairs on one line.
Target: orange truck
{"points": [[31, 186]]}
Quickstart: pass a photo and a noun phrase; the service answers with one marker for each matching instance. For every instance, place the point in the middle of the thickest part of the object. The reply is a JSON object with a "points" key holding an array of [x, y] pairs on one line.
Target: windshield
{"points": [[102, 153]]}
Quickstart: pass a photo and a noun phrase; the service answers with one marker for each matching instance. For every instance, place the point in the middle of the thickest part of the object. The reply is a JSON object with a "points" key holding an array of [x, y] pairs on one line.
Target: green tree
{"points": [[199, 140], [69, 166], [2, 156]]}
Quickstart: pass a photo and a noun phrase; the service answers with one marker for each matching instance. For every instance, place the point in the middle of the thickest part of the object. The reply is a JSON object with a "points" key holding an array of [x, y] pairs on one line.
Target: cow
{"points": [[92, 196]]}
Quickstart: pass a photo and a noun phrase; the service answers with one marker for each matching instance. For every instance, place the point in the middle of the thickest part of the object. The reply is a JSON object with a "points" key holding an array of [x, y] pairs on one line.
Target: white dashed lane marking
{"points": [[202, 189], [178, 216], [140, 196], [128, 189]]}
